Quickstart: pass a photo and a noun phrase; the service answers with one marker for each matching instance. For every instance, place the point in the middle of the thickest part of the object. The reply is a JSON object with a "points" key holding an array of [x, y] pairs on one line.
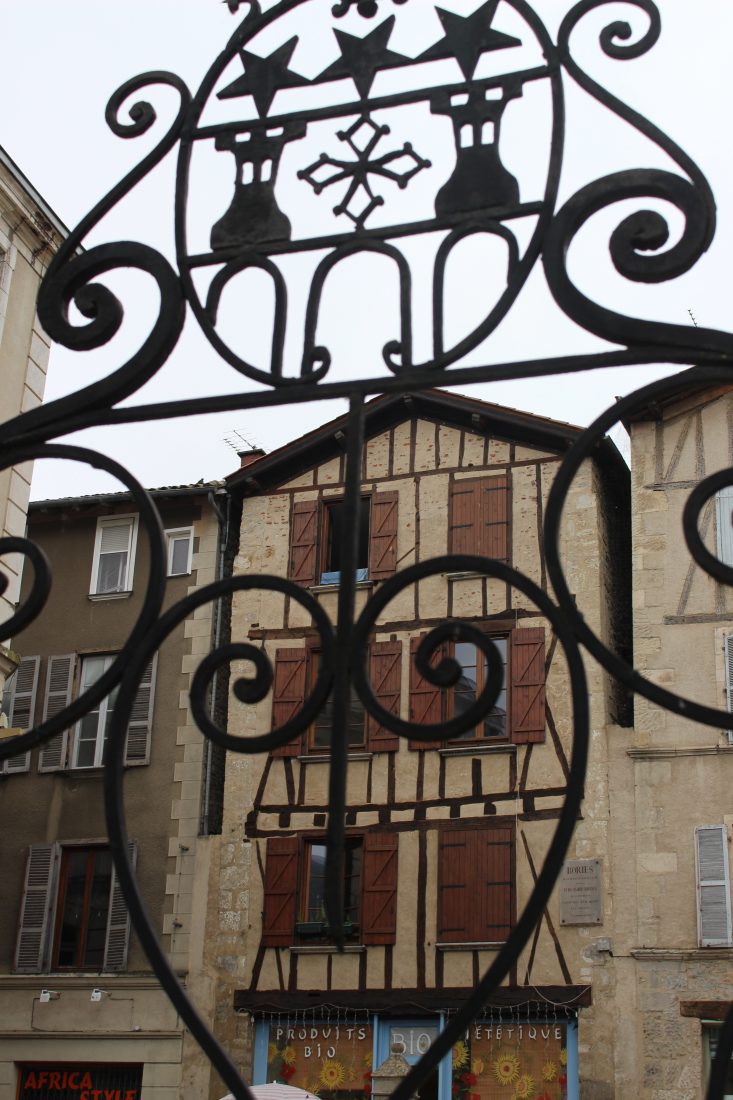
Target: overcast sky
{"points": [[63, 60]]}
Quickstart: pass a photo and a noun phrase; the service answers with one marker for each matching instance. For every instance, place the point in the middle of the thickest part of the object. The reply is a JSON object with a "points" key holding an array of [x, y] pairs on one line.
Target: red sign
{"points": [[75, 1082]]}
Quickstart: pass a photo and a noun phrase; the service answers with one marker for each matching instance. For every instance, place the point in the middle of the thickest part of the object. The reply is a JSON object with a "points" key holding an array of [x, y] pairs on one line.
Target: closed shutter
{"points": [[379, 888], [426, 704], [527, 659], [281, 884], [713, 886], [19, 706], [288, 694], [37, 908], [475, 885], [385, 676], [724, 524], [59, 681], [137, 745], [495, 892], [463, 517], [728, 652], [455, 900], [494, 510], [303, 542], [383, 535], [117, 938]]}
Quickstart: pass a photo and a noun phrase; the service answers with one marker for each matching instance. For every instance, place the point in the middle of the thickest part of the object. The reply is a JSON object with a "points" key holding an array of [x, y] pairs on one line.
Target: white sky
{"points": [[65, 59]]}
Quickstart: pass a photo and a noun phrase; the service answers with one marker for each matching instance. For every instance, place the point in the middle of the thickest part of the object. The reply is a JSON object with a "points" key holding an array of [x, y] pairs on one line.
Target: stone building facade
{"points": [[79, 1005], [444, 839], [670, 778], [30, 235]]}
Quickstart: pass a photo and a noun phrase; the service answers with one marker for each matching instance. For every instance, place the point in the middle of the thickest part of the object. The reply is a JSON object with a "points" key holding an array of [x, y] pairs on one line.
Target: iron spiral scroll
{"points": [[254, 233]]}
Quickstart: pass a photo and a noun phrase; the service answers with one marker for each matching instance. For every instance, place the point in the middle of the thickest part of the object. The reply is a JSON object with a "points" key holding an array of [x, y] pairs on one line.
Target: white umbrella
{"points": [[276, 1092]]}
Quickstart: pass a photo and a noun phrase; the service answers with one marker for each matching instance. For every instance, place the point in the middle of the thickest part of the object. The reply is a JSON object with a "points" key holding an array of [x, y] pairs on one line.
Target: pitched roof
{"points": [[381, 413]]}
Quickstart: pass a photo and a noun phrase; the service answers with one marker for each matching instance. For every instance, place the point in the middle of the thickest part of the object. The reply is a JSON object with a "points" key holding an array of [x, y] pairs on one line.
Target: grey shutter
{"points": [[36, 909], [137, 745], [59, 681], [713, 886], [118, 921], [724, 524], [728, 655], [19, 704]]}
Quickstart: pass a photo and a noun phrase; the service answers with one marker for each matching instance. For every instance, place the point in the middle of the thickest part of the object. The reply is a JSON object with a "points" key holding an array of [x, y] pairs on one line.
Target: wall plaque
{"points": [[580, 892]]}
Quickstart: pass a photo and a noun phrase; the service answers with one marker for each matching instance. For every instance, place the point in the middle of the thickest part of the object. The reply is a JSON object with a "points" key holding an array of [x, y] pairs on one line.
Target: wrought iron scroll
{"points": [[481, 196]]}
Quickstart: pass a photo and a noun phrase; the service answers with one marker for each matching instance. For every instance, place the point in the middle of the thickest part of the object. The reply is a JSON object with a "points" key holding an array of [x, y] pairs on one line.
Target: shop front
{"points": [[73, 1081], [333, 1054]]}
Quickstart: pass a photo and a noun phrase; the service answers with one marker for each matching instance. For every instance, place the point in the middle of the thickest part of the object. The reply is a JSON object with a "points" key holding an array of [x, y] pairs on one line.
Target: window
{"points": [[472, 682], [519, 712], [19, 703], [313, 901], [476, 883], [114, 556], [478, 520], [293, 909], [68, 675], [297, 667], [713, 886], [179, 544], [724, 524], [91, 927], [317, 530], [711, 1034], [728, 660], [334, 523]]}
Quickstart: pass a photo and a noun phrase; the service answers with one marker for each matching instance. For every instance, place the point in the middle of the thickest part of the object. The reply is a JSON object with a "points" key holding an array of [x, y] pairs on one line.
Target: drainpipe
{"points": [[216, 632]]}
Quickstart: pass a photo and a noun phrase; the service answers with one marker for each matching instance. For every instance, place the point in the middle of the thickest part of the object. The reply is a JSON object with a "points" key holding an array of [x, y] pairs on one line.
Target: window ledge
{"points": [[478, 748], [326, 949], [325, 758], [466, 574], [472, 945], [317, 589], [95, 596], [674, 953]]}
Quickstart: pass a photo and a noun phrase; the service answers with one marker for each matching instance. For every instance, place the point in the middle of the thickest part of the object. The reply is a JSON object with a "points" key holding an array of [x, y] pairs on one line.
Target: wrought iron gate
{"points": [[363, 169]]}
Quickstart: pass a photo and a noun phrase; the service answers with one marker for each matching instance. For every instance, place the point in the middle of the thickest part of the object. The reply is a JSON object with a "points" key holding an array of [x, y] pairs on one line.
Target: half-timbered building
{"points": [[445, 839]]}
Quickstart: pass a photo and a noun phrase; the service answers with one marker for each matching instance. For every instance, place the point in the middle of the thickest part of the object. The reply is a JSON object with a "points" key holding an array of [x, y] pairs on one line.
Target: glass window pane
{"points": [[72, 917], [315, 908], [179, 554], [101, 882], [111, 574]]}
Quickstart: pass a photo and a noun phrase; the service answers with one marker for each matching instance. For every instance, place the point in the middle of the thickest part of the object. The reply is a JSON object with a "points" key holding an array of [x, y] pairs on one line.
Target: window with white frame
{"points": [[728, 661], [90, 735], [179, 548], [713, 886], [114, 555]]}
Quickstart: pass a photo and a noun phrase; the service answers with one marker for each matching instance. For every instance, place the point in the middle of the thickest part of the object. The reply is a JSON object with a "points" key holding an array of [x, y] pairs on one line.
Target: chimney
{"points": [[246, 458]]}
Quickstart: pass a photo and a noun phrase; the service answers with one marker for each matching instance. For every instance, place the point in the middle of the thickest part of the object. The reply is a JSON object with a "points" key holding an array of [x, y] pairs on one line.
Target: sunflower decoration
{"points": [[564, 1056], [460, 1055], [506, 1069], [549, 1070], [478, 1066], [272, 1052], [351, 1075], [332, 1073], [289, 1056], [367, 1060], [524, 1087]]}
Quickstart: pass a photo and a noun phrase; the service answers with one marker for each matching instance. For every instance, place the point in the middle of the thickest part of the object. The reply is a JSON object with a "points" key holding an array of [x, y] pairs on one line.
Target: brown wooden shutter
{"points": [[281, 885], [475, 885], [137, 744], [528, 684], [379, 888], [304, 542], [494, 506], [288, 694], [117, 938], [385, 676], [36, 910], [494, 887], [59, 682], [464, 517], [456, 857], [426, 704], [383, 535]]}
